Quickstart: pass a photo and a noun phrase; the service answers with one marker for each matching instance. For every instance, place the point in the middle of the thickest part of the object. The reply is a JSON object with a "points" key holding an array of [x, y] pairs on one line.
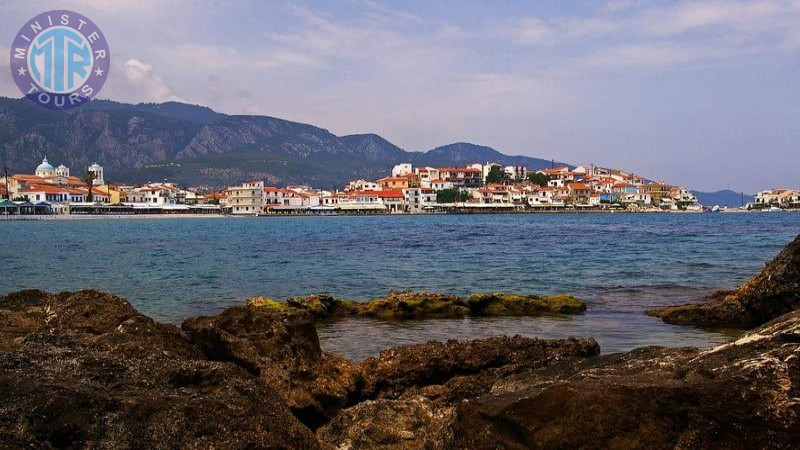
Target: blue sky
{"points": [[704, 94]]}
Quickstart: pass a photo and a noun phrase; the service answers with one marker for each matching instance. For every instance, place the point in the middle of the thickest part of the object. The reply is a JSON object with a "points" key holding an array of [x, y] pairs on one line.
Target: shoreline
{"points": [[59, 217]]}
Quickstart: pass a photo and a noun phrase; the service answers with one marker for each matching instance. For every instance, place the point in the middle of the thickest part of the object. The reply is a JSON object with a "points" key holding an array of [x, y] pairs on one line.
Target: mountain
{"points": [[465, 153], [197, 146], [722, 198], [175, 110], [372, 146]]}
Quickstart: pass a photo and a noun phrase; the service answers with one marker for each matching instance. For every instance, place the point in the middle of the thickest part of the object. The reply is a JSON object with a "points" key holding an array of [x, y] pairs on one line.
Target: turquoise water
{"points": [[621, 264]]}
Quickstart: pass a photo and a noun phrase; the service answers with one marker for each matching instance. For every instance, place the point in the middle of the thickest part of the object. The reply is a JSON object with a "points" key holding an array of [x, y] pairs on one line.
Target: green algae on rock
{"points": [[506, 304], [413, 305], [399, 305], [265, 302], [323, 306]]}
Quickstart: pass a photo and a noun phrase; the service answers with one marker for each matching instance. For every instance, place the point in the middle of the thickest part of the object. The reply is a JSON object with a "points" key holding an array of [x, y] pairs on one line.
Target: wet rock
{"points": [[410, 304], [409, 423], [771, 293], [739, 395], [324, 306], [85, 370], [505, 304], [396, 370], [280, 346], [426, 305]]}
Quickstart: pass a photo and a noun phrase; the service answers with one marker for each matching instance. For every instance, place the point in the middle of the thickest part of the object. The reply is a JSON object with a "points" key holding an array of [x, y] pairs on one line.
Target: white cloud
{"points": [[652, 55], [135, 81], [716, 22], [735, 15]]}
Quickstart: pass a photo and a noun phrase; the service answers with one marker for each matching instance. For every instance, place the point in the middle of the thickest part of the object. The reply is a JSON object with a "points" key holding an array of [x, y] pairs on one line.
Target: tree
{"points": [[539, 178], [451, 196], [88, 179], [496, 175]]}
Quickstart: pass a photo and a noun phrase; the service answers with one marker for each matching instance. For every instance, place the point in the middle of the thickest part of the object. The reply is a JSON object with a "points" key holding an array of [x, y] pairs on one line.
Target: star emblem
{"points": [[98, 72], [21, 71]]}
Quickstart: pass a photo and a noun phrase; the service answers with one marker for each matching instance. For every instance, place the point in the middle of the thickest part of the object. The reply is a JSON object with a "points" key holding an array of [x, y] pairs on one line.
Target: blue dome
{"points": [[45, 166]]}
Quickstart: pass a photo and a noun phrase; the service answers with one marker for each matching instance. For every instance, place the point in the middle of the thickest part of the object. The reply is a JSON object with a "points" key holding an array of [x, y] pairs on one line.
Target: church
{"points": [[53, 188], [60, 175]]}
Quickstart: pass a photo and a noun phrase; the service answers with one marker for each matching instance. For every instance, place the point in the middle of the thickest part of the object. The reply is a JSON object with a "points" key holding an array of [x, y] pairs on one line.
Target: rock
{"points": [[85, 370], [91, 317], [410, 304], [771, 293], [410, 393], [412, 423], [739, 395], [279, 345], [396, 370], [504, 304], [426, 305], [324, 306], [265, 302]]}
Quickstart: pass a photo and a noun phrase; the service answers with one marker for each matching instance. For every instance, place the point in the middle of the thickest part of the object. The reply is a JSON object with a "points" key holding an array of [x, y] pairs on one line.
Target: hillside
{"points": [[194, 145], [722, 198]]}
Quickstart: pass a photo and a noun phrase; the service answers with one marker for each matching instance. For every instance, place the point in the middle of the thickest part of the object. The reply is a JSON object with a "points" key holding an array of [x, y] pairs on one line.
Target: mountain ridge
{"points": [[724, 197], [196, 146]]}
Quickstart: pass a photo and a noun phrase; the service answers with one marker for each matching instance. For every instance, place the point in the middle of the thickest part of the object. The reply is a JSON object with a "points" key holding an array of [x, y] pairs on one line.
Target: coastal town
{"points": [[474, 188]]}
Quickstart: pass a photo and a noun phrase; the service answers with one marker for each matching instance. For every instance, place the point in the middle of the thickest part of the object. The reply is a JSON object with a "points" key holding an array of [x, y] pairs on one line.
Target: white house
{"points": [[419, 199], [402, 169], [362, 185]]}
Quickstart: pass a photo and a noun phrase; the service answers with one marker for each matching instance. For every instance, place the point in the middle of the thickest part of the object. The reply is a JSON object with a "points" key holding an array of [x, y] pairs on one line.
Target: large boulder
{"points": [[280, 346], [85, 370], [771, 293], [410, 393], [413, 423], [738, 396], [398, 369]]}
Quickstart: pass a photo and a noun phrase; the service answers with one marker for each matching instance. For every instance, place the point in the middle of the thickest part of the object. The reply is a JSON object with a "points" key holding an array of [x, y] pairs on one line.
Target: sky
{"points": [[701, 94]]}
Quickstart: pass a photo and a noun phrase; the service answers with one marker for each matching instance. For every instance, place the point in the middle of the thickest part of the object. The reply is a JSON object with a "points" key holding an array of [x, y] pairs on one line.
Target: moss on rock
{"points": [[410, 304], [507, 304], [323, 306], [422, 305], [265, 302]]}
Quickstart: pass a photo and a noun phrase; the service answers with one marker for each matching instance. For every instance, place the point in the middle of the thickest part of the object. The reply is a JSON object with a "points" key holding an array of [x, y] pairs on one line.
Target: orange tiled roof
{"points": [[390, 193], [578, 186]]}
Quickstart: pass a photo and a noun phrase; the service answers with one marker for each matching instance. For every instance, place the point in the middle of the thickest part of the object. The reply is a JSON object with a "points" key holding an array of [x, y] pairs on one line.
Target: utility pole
{"points": [[8, 190]]}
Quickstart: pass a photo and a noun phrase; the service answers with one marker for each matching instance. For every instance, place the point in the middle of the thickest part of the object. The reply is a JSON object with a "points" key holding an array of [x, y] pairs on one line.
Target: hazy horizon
{"points": [[703, 95]]}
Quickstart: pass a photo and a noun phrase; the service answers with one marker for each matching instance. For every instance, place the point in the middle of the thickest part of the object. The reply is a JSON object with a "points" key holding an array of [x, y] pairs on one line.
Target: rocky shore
{"points": [[86, 370], [428, 305], [773, 292]]}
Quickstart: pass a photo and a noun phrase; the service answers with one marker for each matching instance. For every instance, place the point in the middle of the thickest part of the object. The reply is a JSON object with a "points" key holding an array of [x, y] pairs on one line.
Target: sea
{"points": [[621, 264]]}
